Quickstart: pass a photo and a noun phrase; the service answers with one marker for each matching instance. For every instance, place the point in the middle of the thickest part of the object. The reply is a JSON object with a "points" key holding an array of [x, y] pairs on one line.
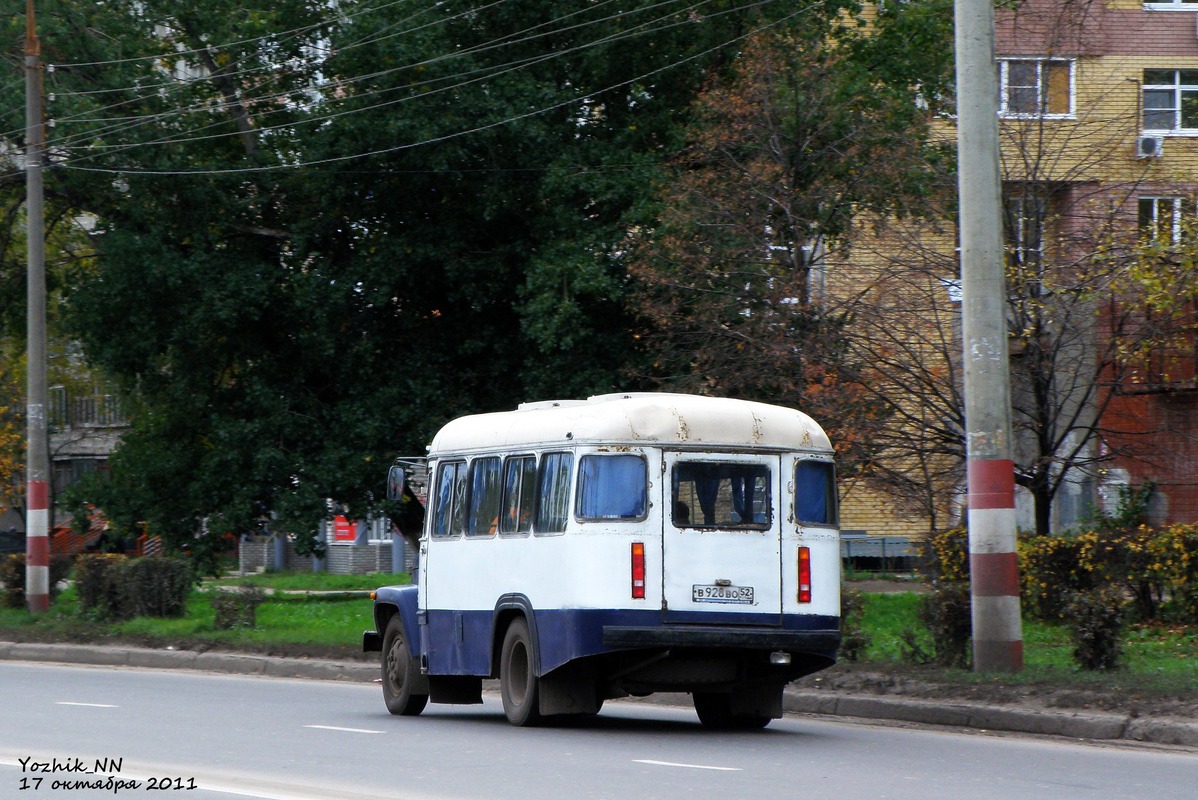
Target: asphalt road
{"points": [[289, 739]]}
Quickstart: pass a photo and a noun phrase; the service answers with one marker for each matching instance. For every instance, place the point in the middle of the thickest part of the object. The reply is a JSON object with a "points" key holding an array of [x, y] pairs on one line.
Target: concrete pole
{"points": [[37, 490], [994, 583]]}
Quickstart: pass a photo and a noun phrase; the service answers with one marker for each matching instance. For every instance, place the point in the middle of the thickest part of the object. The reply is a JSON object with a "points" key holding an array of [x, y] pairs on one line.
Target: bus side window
{"points": [[451, 490], [553, 492], [815, 492], [613, 487], [519, 492], [484, 496]]}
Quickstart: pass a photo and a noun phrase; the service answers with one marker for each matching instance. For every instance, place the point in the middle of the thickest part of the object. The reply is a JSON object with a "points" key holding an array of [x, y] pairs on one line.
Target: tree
{"points": [[814, 126], [1080, 288], [320, 235], [12, 429]]}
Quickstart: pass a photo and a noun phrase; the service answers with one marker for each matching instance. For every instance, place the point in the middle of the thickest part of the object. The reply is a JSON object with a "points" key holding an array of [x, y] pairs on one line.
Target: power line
{"points": [[487, 73], [284, 102], [446, 137]]}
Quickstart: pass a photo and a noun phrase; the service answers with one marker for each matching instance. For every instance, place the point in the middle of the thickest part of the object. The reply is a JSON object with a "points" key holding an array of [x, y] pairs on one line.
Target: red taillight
{"points": [[638, 571], [804, 574]]}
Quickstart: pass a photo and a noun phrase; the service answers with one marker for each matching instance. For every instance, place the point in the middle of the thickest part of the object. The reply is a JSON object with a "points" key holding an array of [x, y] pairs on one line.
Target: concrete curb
{"points": [[232, 663], [1072, 724], [1050, 722]]}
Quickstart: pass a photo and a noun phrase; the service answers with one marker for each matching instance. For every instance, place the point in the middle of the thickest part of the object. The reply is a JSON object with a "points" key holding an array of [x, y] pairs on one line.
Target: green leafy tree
{"points": [[811, 130], [320, 234]]}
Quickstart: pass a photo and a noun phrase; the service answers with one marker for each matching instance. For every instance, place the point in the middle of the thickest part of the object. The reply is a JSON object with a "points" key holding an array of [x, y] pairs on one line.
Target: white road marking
{"points": [[685, 766], [86, 705], [335, 728]]}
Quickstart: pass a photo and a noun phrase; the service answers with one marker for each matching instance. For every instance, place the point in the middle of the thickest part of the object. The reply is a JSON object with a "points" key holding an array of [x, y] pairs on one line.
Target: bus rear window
{"points": [[815, 492], [721, 495], [612, 487]]}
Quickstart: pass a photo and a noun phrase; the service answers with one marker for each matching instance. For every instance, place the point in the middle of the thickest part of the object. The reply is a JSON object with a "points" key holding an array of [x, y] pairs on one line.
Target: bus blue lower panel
{"points": [[460, 642]]}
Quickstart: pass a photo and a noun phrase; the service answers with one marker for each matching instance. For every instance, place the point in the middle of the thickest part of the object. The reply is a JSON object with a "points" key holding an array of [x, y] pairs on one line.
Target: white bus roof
{"points": [[635, 418]]}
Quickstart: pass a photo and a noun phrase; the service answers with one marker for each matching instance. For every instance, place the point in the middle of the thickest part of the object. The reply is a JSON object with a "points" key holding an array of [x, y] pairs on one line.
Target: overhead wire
{"points": [[273, 73], [445, 137], [462, 79], [177, 85]]}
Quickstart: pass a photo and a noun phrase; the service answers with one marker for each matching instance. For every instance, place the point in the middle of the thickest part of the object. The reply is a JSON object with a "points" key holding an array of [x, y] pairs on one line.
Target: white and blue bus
{"points": [[582, 550]]}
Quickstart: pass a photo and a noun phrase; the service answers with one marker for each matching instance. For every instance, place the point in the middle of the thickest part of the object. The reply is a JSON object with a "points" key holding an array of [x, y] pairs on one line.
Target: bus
{"points": [[626, 544]]}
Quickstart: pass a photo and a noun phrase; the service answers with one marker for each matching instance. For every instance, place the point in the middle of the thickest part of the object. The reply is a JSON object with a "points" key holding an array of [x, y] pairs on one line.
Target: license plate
{"points": [[701, 593]]}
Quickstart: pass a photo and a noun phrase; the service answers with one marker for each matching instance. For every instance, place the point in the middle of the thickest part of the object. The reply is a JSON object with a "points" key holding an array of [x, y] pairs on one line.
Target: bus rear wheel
{"points": [[715, 711], [400, 671], [517, 676]]}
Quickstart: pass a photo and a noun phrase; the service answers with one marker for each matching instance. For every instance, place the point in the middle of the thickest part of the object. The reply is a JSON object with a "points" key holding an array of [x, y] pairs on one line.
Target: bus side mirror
{"points": [[395, 481]]}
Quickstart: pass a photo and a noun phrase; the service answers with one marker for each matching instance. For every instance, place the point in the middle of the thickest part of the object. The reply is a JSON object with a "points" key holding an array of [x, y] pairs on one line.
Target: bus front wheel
{"points": [[400, 673], [517, 676]]}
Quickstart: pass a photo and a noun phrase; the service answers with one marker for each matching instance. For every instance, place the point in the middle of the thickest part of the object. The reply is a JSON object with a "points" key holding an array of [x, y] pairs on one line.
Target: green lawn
{"points": [[317, 582], [1157, 658]]}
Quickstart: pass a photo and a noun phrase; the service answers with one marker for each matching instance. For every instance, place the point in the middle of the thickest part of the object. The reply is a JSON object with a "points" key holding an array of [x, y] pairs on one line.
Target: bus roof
{"points": [[635, 418]]}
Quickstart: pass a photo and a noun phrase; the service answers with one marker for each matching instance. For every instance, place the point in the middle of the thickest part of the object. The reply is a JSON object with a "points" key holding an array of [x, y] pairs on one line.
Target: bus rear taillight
{"points": [[638, 571], [804, 574]]}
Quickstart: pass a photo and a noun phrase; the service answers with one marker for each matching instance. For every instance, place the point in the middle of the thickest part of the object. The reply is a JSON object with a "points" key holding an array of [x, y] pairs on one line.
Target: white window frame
{"points": [[1178, 89], [1004, 66], [1024, 226], [1172, 5], [1173, 206]]}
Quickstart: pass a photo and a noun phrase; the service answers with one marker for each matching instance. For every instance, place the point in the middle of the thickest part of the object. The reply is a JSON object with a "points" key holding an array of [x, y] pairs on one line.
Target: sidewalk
{"points": [[800, 699]]}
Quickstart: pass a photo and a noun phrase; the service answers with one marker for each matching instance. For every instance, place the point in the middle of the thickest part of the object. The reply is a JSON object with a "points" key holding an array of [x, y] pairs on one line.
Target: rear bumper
{"points": [[627, 636]]}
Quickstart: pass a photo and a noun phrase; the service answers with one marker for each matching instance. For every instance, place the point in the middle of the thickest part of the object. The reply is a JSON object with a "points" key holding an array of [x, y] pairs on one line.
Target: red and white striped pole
{"points": [[37, 488], [994, 582], [994, 567]]}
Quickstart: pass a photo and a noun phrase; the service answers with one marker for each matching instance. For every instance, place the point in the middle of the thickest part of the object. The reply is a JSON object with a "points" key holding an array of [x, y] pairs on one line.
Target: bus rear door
{"points": [[722, 538]]}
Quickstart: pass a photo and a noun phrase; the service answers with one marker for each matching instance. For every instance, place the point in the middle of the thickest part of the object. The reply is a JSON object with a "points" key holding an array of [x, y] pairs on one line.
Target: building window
{"points": [[1024, 215], [1172, 5], [1036, 87], [1171, 99], [1160, 218]]}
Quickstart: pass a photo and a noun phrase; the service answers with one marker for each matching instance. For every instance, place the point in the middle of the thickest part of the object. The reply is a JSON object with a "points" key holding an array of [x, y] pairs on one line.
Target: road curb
{"points": [[1067, 723], [231, 663]]}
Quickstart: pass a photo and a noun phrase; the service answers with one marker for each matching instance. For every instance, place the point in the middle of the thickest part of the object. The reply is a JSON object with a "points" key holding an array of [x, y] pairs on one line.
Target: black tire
{"points": [[517, 676], [715, 711], [400, 671]]}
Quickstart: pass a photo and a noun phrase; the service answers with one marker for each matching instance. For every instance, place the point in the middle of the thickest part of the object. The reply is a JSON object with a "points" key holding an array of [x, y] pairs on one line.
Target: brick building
{"points": [[1099, 136]]}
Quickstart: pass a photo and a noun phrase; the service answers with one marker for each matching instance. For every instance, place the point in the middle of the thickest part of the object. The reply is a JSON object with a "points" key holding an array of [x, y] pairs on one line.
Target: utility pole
{"points": [[994, 569], [37, 487]]}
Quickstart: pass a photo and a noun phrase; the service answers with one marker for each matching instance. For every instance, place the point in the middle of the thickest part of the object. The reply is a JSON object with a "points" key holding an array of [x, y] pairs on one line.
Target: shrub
{"points": [[120, 588], [1095, 619], [237, 608], [96, 584], [853, 638], [1050, 571], [155, 587], [12, 575], [1173, 566], [946, 611], [946, 556]]}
